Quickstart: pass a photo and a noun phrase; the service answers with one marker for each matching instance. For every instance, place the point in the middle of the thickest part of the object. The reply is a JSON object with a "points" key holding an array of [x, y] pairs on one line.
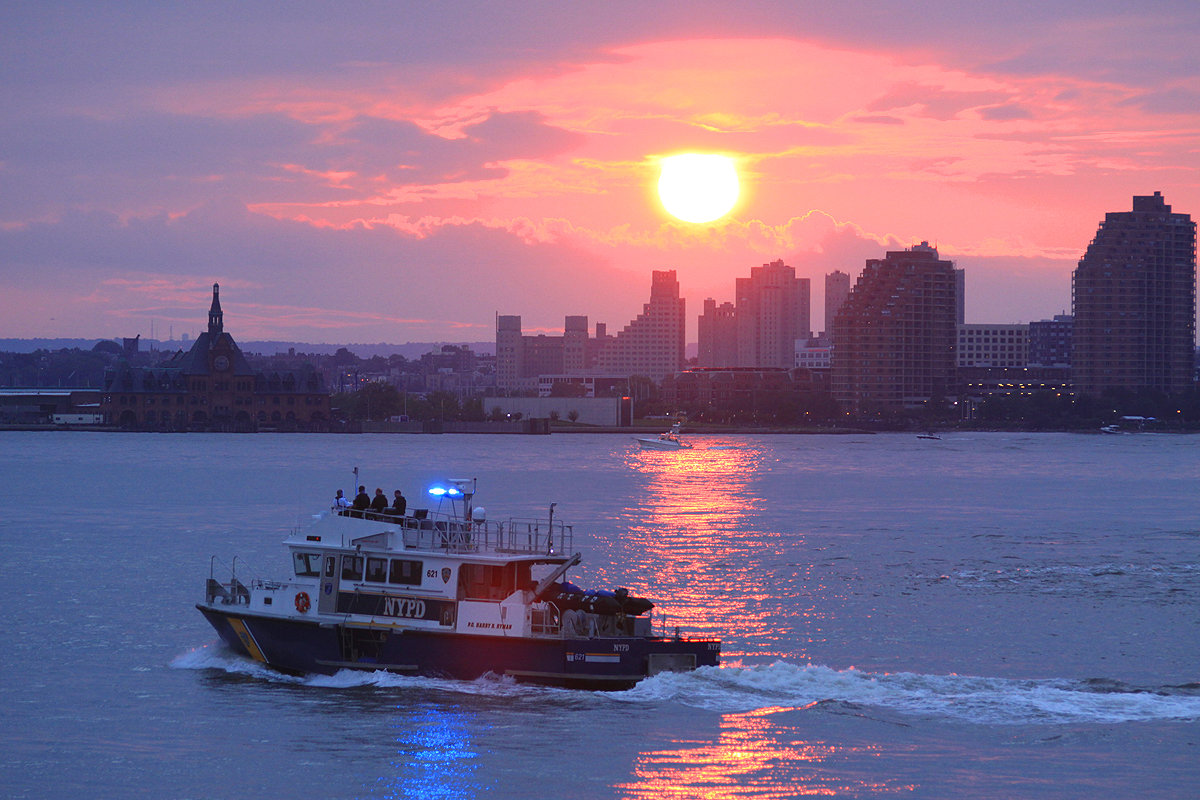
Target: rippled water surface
{"points": [[989, 615]]}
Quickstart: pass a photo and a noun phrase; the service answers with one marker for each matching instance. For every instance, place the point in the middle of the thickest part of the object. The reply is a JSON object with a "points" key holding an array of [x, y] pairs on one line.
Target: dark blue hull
{"points": [[300, 647]]}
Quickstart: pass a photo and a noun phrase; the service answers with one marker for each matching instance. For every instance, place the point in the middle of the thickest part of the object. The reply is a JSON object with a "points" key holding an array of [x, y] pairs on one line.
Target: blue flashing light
{"points": [[437, 491], [444, 491]]}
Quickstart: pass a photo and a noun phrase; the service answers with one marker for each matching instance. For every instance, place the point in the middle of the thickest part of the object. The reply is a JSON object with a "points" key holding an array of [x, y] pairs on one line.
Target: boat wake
{"points": [[783, 686], [218, 657], [990, 701]]}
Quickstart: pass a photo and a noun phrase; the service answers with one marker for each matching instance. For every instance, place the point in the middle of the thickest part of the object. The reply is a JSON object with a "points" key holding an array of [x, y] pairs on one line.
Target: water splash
{"points": [[991, 701], [784, 686]]}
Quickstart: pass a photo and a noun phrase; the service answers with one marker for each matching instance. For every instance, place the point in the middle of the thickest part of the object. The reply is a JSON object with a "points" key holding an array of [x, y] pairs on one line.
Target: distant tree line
{"points": [[1049, 411], [382, 401], [68, 367]]}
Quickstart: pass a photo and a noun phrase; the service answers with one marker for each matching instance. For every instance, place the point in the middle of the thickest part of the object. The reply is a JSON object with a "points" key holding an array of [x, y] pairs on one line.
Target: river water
{"points": [[985, 616]]}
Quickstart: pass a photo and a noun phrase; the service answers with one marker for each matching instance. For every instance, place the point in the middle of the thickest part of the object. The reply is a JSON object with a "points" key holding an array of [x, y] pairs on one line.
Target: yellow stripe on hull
{"points": [[239, 627]]}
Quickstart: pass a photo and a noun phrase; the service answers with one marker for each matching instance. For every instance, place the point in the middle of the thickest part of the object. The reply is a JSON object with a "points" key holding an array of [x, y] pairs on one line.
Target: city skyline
{"points": [[394, 172]]}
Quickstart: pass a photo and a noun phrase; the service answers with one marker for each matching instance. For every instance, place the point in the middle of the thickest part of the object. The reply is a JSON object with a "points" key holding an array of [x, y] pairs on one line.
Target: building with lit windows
{"points": [[993, 345]]}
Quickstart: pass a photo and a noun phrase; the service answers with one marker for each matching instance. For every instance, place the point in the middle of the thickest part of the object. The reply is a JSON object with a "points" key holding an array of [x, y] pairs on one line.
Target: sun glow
{"points": [[698, 187]]}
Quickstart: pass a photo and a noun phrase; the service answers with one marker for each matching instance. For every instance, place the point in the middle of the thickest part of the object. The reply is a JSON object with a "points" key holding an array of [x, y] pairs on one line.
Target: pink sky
{"points": [[399, 172]]}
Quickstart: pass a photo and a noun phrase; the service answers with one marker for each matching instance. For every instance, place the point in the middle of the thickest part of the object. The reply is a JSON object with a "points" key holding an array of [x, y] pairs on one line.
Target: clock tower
{"points": [[213, 387], [216, 319]]}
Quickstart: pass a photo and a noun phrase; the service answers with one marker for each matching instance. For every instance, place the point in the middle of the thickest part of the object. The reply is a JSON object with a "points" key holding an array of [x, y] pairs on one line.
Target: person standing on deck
{"points": [[362, 500]]}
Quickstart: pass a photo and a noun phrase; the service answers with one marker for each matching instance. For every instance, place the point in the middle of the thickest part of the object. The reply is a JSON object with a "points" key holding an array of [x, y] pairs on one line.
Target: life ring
{"points": [[303, 604]]}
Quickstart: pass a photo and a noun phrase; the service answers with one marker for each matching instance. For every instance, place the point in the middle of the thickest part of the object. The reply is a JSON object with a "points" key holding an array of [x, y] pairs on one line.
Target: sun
{"points": [[697, 187]]}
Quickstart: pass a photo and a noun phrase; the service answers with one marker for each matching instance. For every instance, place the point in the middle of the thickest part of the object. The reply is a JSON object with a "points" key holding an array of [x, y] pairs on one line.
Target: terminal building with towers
{"points": [[894, 338], [213, 387], [1134, 301]]}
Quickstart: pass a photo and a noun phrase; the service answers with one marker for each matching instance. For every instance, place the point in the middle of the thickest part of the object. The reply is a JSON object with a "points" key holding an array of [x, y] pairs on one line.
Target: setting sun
{"points": [[698, 187]]}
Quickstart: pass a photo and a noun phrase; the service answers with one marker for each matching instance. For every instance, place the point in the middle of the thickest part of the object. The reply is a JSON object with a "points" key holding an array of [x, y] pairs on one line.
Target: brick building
{"points": [[212, 386]]}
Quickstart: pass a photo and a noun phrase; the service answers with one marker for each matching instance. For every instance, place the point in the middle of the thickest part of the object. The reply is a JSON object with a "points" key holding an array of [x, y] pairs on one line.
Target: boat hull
{"points": [[300, 647], [658, 444]]}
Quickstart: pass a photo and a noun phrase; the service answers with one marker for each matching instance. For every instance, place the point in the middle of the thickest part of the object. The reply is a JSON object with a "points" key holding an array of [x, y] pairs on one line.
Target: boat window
{"points": [[307, 564], [330, 565], [352, 568], [377, 569], [404, 571], [492, 582]]}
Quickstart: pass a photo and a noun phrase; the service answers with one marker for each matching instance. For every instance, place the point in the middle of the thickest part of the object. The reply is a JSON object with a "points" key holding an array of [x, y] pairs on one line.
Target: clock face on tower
{"points": [[220, 363]]}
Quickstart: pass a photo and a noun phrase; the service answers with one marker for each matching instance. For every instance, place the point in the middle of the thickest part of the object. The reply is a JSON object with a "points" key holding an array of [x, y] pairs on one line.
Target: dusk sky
{"points": [[387, 171]]}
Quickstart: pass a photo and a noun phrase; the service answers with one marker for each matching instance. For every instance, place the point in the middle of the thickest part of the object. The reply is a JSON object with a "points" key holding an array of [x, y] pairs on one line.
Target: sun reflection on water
{"points": [[704, 538], [749, 758]]}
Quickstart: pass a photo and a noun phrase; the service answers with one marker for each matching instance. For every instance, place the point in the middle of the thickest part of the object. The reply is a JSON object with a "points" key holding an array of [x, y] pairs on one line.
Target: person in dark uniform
{"points": [[399, 505], [379, 504], [362, 500]]}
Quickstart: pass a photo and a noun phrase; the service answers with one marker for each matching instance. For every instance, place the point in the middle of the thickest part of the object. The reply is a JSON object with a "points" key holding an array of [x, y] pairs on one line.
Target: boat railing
{"points": [[453, 534], [231, 592], [537, 536], [236, 590]]}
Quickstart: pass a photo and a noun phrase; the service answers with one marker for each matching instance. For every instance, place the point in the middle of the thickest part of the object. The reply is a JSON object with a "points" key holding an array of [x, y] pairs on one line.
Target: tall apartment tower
{"points": [[773, 308], [960, 286], [837, 289], [510, 352], [651, 345], [717, 335], [1134, 298], [893, 342], [575, 345]]}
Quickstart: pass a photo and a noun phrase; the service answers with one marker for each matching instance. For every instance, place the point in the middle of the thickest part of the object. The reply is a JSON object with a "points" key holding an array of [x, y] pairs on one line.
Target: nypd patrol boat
{"points": [[446, 593]]}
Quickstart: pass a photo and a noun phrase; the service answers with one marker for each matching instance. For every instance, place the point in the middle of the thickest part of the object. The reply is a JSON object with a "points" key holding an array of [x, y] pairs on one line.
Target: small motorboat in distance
{"points": [[445, 593], [933, 436], [665, 441]]}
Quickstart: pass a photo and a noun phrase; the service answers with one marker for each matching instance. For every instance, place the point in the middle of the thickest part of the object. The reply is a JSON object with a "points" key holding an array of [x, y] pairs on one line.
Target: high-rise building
{"points": [[520, 359], [960, 287], [761, 330], [651, 345], [1050, 341], [837, 288], [993, 345], [575, 345], [773, 308], [893, 341], [1134, 299], [717, 336], [510, 352]]}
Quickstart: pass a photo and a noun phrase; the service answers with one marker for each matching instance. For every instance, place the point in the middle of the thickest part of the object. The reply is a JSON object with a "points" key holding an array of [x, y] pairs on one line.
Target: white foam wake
{"points": [[217, 657], [782, 685], [995, 701]]}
